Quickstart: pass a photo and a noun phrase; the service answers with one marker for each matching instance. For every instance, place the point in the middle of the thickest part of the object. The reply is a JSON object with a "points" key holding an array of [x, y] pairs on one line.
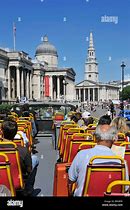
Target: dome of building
{"points": [[46, 48]]}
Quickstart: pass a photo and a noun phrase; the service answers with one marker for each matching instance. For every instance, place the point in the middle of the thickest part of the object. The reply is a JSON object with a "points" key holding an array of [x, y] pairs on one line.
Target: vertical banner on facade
{"points": [[46, 82]]}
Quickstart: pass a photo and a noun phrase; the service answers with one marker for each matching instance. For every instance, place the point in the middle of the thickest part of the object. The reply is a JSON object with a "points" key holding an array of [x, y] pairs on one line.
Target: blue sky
{"points": [[68, 24]]}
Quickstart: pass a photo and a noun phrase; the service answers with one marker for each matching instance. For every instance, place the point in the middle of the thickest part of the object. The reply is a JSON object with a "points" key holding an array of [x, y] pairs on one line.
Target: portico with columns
{"points": [[61, 84], [19, 75]]}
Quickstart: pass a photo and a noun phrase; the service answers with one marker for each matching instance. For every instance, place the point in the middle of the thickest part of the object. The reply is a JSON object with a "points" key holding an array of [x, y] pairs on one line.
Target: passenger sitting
{"points": [[104, 137], [74, 119], [29, 162], [87, 121], [122, 127], [120, 124], [26, 113], [85, 116], [104, 120], [20, 134]]}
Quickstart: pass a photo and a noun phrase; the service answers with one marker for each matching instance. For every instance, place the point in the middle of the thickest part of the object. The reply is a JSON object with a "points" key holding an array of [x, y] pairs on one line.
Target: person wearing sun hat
{"points": [[85, 116]]}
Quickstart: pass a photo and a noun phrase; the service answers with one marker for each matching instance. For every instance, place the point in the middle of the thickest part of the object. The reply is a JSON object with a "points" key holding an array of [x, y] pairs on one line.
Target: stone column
{"points": [[18, 81], [84, 94], [80, 94], [30, 85], [58, 87], [9, 86], [13, 85], [98, 94], [39, 86], [22, 83], [27, 85], [93, 94], [77, 94], [89, 94], [64, 91]]}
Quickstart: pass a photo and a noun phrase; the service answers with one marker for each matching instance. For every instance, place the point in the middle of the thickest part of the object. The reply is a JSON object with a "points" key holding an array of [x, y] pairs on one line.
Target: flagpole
{"points": [[14, 36]]}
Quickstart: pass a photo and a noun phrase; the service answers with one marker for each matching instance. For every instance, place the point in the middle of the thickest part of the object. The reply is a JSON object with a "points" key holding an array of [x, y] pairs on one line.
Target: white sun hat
{"points": [[86, 114]]}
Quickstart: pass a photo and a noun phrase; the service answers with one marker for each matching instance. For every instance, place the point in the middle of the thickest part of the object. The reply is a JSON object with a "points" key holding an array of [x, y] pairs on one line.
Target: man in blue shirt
{"points": [[105, 135]]}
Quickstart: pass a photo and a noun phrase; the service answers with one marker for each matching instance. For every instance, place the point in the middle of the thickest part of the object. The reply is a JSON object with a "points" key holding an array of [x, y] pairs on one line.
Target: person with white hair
{"points": [[105, 136]]}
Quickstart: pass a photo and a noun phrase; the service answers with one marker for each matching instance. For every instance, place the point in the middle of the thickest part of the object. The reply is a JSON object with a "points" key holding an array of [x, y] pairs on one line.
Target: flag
{"points": [[14, 35], [46, 82]]}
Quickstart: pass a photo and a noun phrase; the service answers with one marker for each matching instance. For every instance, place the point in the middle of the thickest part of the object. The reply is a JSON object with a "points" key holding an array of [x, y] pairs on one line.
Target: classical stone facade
{"points": [[16, 75], [42, 79], [39, 79], [59, 83], [91, 90]]}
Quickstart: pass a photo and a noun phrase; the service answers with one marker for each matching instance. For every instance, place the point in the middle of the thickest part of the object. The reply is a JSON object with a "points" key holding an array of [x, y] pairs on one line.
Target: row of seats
{"points": [[10, 168], [71, 139], [12, 174]]}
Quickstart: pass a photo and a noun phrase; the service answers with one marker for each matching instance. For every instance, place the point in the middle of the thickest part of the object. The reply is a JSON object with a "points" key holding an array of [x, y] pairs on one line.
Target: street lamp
{"points": [[122, 68], [65, 84]]}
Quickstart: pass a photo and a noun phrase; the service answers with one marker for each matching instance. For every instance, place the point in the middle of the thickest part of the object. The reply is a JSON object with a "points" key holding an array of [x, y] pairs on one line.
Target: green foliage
{"points": [[4, 108], [126, 93]]}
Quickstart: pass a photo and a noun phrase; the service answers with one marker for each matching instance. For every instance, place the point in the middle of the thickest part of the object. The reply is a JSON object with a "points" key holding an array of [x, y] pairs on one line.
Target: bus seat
{"points": [[98, 176]]}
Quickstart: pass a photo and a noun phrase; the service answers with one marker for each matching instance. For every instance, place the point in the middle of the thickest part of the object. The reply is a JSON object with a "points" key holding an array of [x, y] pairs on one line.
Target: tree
{"points": [[125, 93]]}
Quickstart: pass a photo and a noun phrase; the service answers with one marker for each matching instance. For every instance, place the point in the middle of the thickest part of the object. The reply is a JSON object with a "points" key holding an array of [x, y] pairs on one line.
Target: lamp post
{"points": [[122, 68], [65, 84]]}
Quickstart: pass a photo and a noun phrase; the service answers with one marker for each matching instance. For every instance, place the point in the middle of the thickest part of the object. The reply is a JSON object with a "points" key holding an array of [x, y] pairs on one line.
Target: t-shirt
{"points": [[77, 170], [25, 139]]}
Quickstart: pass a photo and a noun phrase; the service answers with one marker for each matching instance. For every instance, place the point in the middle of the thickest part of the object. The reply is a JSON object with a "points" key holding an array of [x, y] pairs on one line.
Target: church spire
{"points": [[91, 41], [91, 65]]}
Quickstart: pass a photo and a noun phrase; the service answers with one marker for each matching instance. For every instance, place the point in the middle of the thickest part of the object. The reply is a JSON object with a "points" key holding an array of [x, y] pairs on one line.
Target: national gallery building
{"points": [[39, 79]]}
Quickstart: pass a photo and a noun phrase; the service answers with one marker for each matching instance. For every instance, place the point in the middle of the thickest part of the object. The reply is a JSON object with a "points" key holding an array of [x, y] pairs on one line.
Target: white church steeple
{"points": [[91, 65]]}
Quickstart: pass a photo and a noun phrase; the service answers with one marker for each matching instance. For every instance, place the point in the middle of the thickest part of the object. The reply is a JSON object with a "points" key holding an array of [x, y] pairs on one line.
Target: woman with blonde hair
{"points": [[121, 125]]}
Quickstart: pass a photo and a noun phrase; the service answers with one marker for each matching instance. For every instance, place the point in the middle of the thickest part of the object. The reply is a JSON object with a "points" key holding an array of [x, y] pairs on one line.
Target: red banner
{"points": [[46, 82]]}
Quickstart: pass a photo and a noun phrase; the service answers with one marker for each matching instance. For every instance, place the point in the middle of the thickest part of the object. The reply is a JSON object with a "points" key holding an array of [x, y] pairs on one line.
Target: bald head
{"points": [[105, 133]]}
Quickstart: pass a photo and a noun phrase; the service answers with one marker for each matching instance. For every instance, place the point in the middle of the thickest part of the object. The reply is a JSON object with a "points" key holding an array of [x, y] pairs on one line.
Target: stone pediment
{"points": [[86, 83], [72, 71]]}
